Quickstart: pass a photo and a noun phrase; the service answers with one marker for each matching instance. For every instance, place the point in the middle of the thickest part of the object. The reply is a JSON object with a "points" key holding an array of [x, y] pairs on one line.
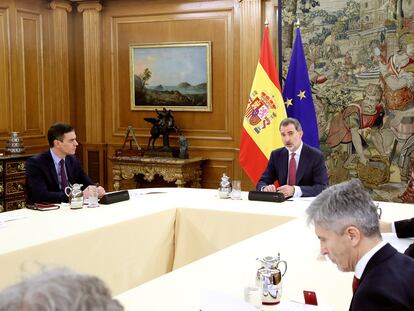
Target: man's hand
{"points": [[269, 188], [101, 191], [385, 227], [287, 190]]}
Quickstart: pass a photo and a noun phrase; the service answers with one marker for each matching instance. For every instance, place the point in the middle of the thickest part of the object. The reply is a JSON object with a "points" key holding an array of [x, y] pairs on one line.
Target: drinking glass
{"points": [[236, 190], [93, 196], [253, 295]]}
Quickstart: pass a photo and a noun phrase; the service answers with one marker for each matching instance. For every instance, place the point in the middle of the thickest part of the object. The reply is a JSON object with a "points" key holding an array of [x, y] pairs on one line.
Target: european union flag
{"points": [[297, 94]]}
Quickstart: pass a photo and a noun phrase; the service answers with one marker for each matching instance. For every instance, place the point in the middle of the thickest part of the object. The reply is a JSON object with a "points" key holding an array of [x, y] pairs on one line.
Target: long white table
{"points": [[225, 271], [185, 230], [128, 243]]}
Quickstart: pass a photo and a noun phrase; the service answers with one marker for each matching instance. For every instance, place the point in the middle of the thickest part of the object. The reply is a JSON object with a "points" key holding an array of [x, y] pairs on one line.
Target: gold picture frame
{"points": [[176, 76]]}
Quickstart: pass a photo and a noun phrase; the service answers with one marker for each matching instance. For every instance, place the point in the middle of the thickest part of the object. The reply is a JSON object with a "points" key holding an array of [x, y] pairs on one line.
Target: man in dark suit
{"points": [[403, 229], [50, 172], [298, 169], [346, 223]]}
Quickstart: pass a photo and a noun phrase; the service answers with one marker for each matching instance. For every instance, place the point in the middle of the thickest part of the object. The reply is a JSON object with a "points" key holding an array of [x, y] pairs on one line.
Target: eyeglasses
{"points": [[379, 210]]}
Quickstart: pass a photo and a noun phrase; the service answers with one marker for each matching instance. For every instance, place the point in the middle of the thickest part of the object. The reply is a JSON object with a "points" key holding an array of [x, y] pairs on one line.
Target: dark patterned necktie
{"points": [[292, 170], [63, 178], [355, 284]]}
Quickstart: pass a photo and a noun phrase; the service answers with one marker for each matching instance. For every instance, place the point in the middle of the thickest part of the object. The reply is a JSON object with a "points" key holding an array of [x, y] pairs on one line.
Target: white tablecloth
{"points": [[129, 243]]}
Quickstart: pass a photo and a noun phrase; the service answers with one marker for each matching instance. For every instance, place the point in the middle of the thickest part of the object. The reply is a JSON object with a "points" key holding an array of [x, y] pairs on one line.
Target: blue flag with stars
{"points": [[297, 94]]}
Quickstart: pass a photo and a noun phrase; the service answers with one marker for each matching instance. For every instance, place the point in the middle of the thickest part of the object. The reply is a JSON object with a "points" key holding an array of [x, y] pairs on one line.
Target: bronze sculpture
{"points": [[162, 125]]}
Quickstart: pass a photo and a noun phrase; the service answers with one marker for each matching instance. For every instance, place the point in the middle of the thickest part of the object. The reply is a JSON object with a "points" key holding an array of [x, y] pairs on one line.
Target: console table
{"points": [[12, 181], [175, 170]]}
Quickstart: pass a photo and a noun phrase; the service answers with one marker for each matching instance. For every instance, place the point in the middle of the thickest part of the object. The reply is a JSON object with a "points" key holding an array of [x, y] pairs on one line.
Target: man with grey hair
{"points": [[59, 289], [346, 223], [297, 169]]}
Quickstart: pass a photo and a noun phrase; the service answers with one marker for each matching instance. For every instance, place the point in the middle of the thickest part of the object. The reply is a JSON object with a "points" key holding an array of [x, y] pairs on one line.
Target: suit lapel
{"points": [[302, 165], [283, 167], [69, 169], [52, 169], [383, 254]]}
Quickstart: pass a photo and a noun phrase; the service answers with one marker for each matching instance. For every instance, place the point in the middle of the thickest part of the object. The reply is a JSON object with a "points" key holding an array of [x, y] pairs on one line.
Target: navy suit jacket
{"points": [[42, 181], [405, 229], [386, 284], [311, 175]]}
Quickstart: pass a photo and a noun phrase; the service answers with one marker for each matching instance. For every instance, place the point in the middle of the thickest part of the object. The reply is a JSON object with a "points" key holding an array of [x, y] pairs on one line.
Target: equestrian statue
{"points": [[163, 125]]}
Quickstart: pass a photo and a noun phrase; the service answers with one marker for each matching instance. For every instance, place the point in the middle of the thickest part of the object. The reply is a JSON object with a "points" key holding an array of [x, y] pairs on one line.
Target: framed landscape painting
{"points": [[176, 76]]}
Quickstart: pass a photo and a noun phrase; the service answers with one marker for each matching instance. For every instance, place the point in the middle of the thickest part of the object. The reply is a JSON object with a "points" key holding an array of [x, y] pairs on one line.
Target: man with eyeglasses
{"points": [[50, 172], [347, 226]]}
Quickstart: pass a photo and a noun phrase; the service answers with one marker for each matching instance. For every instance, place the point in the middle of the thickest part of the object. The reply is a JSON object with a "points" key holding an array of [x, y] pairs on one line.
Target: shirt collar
{"points": [[297, 152], [362, 263], [56, 159]]}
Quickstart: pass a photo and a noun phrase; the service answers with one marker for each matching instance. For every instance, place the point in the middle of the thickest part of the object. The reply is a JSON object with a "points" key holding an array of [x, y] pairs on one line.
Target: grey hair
{"points": [[59, 289], [287, 121], [343, 205]]}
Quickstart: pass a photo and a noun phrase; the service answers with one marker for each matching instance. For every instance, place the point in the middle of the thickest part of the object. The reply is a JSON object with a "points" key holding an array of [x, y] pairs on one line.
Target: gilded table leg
{"points": [[197, 179], [180, 182]]}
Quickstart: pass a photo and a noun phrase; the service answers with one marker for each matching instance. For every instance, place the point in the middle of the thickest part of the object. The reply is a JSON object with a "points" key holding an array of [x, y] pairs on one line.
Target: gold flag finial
{"points": [[266, 22], [297, 23]]}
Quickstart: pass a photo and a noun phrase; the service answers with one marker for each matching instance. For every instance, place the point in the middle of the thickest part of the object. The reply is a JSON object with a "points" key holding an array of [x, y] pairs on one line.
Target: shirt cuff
{"points": [[298, 192], [393, 228]]}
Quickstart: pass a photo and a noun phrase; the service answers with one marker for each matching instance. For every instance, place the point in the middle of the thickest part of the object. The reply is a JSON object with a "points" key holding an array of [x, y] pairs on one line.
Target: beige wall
{"points": [[69, 61]]}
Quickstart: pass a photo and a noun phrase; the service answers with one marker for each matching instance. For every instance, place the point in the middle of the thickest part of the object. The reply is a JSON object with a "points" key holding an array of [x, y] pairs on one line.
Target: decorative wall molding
{"points": [[89, 5], [30, 103], [61, 4], [92, 70], [60, 47], [5, 98]]}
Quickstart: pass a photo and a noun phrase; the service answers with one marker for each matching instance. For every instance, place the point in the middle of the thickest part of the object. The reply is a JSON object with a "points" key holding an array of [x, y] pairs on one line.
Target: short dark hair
{"points": [[287, 121], [57, 131]]}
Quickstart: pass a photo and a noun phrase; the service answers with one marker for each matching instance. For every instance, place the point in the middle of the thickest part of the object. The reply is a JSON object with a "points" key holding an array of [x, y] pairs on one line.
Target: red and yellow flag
{"points": [[265, 109]]}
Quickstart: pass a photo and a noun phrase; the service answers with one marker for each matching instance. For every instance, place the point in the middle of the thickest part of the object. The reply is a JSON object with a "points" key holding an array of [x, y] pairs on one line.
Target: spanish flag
{"points": [[265, 109]]}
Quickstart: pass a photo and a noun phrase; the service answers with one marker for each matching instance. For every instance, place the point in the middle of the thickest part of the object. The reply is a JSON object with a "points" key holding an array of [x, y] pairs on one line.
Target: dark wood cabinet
{"points": [[12, 182]]}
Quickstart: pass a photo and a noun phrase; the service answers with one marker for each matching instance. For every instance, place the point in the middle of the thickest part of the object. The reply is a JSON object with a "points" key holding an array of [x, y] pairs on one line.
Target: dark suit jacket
{"points": [[42, 181], [386, 284], [405, 229], [311, 174]]}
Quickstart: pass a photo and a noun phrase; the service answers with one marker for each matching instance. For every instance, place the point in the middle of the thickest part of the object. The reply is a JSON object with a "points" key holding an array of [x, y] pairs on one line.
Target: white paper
{"points": [[4, 217], [135, 193], [217, 301]]}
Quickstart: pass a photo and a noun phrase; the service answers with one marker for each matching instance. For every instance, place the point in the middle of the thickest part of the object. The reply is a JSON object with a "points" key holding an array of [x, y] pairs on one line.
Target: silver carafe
{"points": [[269, 276], [75, 194]]}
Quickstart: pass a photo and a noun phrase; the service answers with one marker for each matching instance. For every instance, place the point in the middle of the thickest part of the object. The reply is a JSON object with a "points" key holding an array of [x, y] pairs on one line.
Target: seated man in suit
{"points": [[403, 229], [50, 172], [298, 168], [346, 223]]}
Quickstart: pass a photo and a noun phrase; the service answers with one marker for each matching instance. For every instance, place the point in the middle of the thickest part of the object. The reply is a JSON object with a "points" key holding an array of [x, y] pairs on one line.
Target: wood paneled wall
{"points": [[69, 61], [34, 70]]}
